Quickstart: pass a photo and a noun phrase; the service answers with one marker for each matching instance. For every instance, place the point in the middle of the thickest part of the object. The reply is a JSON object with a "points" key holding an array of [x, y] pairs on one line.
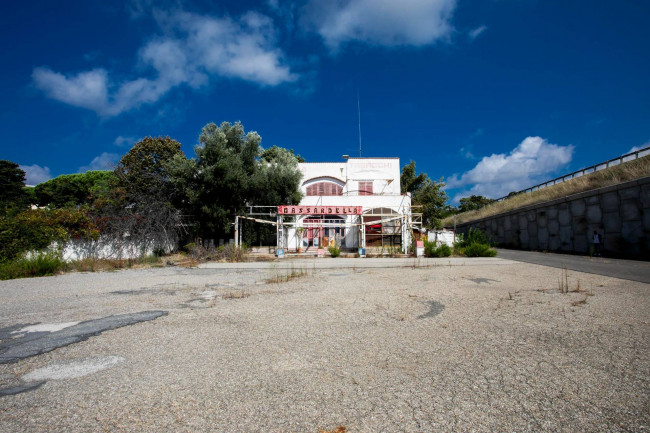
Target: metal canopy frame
{"points": [[410, 221]]}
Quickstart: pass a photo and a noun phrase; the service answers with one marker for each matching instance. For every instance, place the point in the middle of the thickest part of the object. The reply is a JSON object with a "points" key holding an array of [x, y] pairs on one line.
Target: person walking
{"points": [[597, 244]]}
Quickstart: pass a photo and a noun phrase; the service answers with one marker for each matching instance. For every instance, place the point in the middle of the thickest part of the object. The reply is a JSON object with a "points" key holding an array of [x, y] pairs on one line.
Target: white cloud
{"points": [[637, 148], [237, 49], [473, 34], [121, 141], [193, 49], [531, 162], [381, 22], [86, 89], [466, 153], [105, 161], [35, 174]]}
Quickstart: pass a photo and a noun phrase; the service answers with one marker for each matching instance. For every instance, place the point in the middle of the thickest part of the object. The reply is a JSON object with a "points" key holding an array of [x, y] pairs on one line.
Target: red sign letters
{"points": [[319, 210]]}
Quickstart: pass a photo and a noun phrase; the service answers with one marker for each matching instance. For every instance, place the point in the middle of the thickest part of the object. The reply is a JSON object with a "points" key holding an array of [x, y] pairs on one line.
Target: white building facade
{"points": [[356, 203]]}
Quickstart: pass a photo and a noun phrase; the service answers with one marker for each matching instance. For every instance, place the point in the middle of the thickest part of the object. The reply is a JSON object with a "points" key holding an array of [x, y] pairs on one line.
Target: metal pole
{"points": [[359, 111], [277, 231], [236, 231]]}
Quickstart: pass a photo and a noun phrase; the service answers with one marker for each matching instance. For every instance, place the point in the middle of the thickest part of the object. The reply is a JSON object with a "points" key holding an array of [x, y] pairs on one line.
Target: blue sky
{"points": [[492, 95]]}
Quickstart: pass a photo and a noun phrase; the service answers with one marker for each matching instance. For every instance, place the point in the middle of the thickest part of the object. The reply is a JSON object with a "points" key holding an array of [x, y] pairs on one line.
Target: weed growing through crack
{"points": [[563, 282], [564, 288], [577, 288], [579, 302], [236, 294], [339, 429], [279, 278]]}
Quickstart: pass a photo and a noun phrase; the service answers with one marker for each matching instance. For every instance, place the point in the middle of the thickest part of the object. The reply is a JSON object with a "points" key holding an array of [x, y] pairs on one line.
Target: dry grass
{"points": [[98, 265], [579, 302], [236, 294], [339, 429], [283, 278], [625, 172]]}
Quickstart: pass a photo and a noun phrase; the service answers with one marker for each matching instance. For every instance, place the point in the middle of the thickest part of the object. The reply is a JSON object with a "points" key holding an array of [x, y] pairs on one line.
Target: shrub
{"points": [[334, 251], [430, 250], [473, 236], [444, 250], [152, 259], [478, 250], [38, 229], [40, 264], [198, 251], [230, 253], [475, 244]]}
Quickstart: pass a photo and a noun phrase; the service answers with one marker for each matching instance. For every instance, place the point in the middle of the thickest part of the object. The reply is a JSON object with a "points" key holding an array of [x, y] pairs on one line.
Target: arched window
{"points": [[323, 186]]}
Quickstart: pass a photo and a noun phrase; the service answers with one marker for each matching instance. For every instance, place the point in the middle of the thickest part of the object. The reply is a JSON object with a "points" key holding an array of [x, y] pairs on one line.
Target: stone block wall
{"points": [[619, 213]]}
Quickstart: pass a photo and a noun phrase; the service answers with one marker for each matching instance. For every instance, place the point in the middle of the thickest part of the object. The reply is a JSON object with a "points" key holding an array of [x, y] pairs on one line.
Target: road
{"points": [[626, 269], [632, 270], [308, 345]]}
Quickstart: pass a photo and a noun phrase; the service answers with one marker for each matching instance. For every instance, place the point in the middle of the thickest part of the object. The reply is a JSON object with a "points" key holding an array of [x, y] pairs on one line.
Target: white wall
{"points": [[385, 176], [383, 172], [446, 237]]}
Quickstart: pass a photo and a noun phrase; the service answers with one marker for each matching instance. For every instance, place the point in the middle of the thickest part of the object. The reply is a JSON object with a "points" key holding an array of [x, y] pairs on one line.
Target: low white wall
{"points": [[446, 237], [104, 249]]}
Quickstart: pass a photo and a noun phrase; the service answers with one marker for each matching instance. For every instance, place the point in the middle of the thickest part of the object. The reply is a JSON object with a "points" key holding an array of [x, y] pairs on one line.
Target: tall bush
{"points": [[475, 244], [430, 250]]}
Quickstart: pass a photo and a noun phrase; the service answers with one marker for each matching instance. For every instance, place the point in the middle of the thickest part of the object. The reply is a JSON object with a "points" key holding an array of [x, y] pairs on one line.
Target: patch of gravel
{"points": [[488, 347]]}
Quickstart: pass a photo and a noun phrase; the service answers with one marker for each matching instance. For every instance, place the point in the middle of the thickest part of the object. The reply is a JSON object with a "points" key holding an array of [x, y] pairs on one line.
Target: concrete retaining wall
{"points": [[619, 213]]}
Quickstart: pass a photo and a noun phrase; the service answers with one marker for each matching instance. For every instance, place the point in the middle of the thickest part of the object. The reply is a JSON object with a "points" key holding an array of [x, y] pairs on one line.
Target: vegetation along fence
{"points": [[601, 166]]}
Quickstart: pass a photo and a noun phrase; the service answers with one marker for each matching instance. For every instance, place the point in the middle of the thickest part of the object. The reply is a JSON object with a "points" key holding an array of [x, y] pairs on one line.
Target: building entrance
{"points": [[323, 231]]}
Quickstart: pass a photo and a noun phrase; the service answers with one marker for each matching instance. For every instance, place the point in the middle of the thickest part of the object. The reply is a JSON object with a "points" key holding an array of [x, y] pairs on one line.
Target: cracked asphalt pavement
{"points": [[440, 345]]}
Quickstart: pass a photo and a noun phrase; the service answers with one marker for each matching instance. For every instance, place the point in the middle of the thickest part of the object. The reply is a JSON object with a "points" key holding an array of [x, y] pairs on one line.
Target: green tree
{"points": [[12, 184], [432, 198], [232, 172], [30, 195], [226, 164], [426, 193], [272, 153], [73, 189], [409, 182], [474, 202], [140, 213], [277, 180], [144, 169]]}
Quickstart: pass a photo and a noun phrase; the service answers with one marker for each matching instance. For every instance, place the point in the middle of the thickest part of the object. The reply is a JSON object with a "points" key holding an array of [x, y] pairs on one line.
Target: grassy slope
{"points": [[625, 172]]}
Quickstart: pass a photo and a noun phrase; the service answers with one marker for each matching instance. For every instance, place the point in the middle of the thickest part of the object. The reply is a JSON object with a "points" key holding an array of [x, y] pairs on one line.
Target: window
{"points": [[365, 188], [324, 188]]}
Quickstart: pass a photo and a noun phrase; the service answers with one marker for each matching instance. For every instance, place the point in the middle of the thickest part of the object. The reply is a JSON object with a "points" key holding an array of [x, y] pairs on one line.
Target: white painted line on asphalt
{"points": [[45, 327], [72, 369]]}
